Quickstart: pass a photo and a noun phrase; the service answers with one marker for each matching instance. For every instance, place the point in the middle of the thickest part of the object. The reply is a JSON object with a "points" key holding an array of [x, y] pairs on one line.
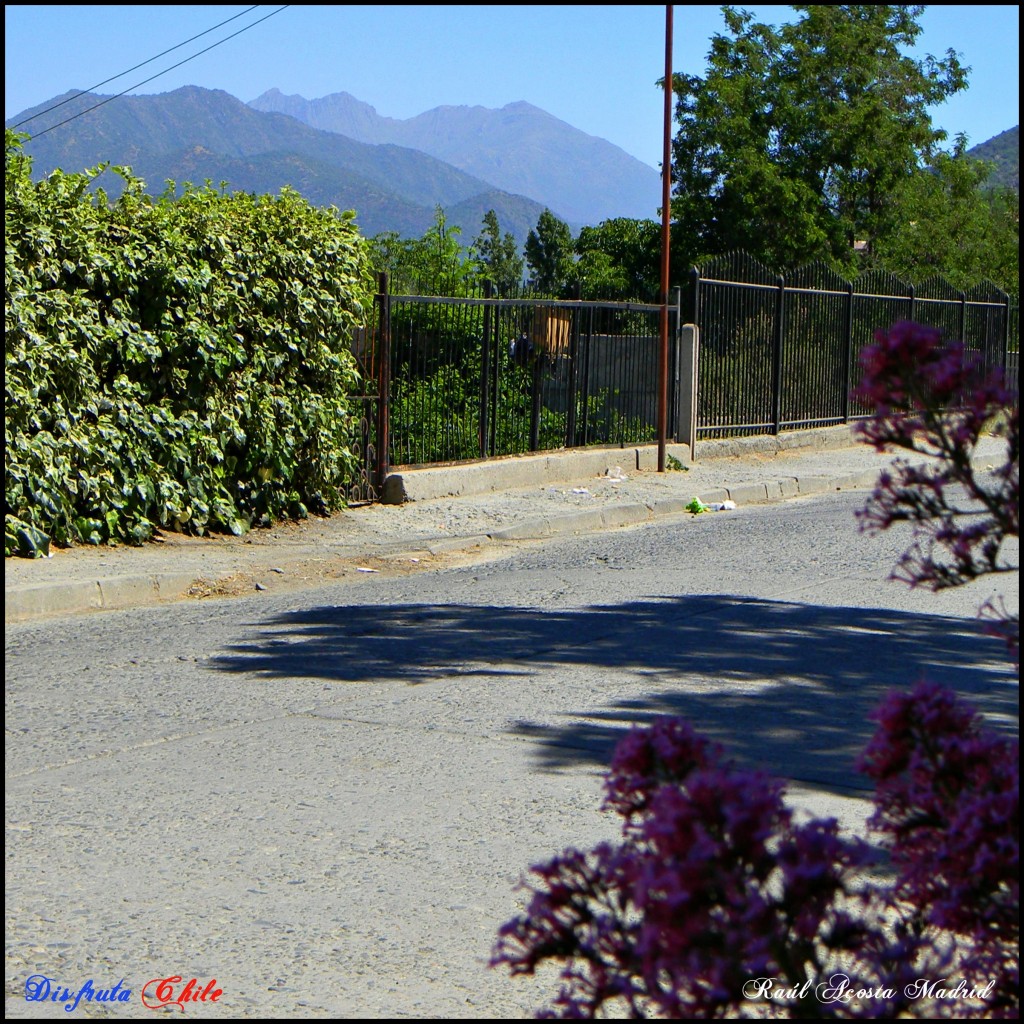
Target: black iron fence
{"points": [[475, 377], [478, 377], [779, 353]]}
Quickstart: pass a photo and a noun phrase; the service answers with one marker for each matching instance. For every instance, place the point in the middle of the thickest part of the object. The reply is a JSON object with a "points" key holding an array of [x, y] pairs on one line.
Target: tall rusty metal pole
{"points": [[666, 192]]}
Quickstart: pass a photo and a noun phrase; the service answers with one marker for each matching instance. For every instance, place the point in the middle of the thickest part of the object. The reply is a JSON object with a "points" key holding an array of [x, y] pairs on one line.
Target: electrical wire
{"points": [[234, 17], [110, 99]]}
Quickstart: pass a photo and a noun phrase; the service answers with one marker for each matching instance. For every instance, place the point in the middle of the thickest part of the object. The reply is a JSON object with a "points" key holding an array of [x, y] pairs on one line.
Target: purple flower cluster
{"points": [[947, 807], [935, 399], [713, 885]]}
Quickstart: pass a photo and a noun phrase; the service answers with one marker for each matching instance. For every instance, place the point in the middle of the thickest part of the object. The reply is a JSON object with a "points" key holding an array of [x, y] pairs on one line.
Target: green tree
{"points": [[436, 264], [947, 221], [498, 255], [549, 254], [794, 143], [620, 258], [388, 254]]}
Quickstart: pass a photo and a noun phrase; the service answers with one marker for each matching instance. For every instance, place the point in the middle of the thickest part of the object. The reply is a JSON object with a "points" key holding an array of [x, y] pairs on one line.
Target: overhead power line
{"points": [[151, 78], [75, 96]]}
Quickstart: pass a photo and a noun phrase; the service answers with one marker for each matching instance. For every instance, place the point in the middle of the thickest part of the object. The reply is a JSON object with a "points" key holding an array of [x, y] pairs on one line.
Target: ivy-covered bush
{"points": [[180, 362]]}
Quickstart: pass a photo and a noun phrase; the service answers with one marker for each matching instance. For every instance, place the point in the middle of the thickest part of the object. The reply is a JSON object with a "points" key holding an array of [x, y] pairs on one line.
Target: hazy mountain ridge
{"points": [[519, 148], [193, 134]]}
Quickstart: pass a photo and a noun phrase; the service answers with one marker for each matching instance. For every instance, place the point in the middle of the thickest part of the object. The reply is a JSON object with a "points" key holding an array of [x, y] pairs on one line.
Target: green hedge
{"points": [[179, 362]]}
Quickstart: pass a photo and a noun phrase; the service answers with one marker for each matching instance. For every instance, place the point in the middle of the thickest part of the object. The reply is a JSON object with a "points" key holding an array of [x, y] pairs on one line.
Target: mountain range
{"points": [[519, 148], [195, 134], [339, 151]]}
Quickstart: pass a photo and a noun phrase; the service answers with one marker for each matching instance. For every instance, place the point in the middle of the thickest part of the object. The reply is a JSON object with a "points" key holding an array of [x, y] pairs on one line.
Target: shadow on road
{"points": [[782, 685]]}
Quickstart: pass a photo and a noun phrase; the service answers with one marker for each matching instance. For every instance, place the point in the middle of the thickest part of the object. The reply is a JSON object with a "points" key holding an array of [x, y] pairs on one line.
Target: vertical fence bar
{"points": [[585, 392], [848, 352], [1006, 340], [485, 371], [677, 334], [384, 380], [695, 320], [536, 383], [1012, 347], [495, 383], [570, 408], [780, 311]]}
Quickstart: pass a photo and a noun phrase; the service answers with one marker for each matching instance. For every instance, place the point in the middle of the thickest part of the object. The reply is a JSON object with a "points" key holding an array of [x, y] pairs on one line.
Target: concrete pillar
{"points": [[689, 350]]}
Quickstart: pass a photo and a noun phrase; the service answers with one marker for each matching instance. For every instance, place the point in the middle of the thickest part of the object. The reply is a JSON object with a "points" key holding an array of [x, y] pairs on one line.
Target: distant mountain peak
{"points": [[522, 106], [519, 148], [275, 95]]}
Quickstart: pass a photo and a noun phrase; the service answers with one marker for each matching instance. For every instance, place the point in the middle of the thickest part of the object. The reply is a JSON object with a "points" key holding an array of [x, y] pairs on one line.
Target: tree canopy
{"points": [[951, 223], [794, 144], [620, 258], [498, 255], [550, 254], [438, 262]]}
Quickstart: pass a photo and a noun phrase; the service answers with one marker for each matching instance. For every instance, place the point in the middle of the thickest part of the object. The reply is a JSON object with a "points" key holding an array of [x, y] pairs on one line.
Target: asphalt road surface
{"points": [[323, 800]]}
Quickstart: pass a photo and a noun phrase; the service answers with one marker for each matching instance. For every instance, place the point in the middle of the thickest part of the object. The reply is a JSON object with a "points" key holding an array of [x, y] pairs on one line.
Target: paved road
{"points": [[324, 799]]}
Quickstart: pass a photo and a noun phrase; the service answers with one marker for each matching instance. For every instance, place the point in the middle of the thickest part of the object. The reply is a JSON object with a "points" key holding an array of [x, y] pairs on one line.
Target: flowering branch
{"points": [[935, 399], [713, 888], [947, 807], [717, 904]]}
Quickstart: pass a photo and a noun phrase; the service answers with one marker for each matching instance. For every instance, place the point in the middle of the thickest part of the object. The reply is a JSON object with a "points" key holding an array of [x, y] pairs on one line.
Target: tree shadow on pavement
{"points": [[783, 686]]}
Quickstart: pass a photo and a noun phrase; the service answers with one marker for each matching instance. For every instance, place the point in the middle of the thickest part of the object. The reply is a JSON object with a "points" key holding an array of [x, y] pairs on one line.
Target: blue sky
{"points": [[594, 67]]}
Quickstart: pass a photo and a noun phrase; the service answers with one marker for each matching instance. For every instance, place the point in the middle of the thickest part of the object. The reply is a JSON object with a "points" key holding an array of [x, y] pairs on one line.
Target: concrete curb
{"points": [[128, 591], [515, 472], [110, 593]]}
